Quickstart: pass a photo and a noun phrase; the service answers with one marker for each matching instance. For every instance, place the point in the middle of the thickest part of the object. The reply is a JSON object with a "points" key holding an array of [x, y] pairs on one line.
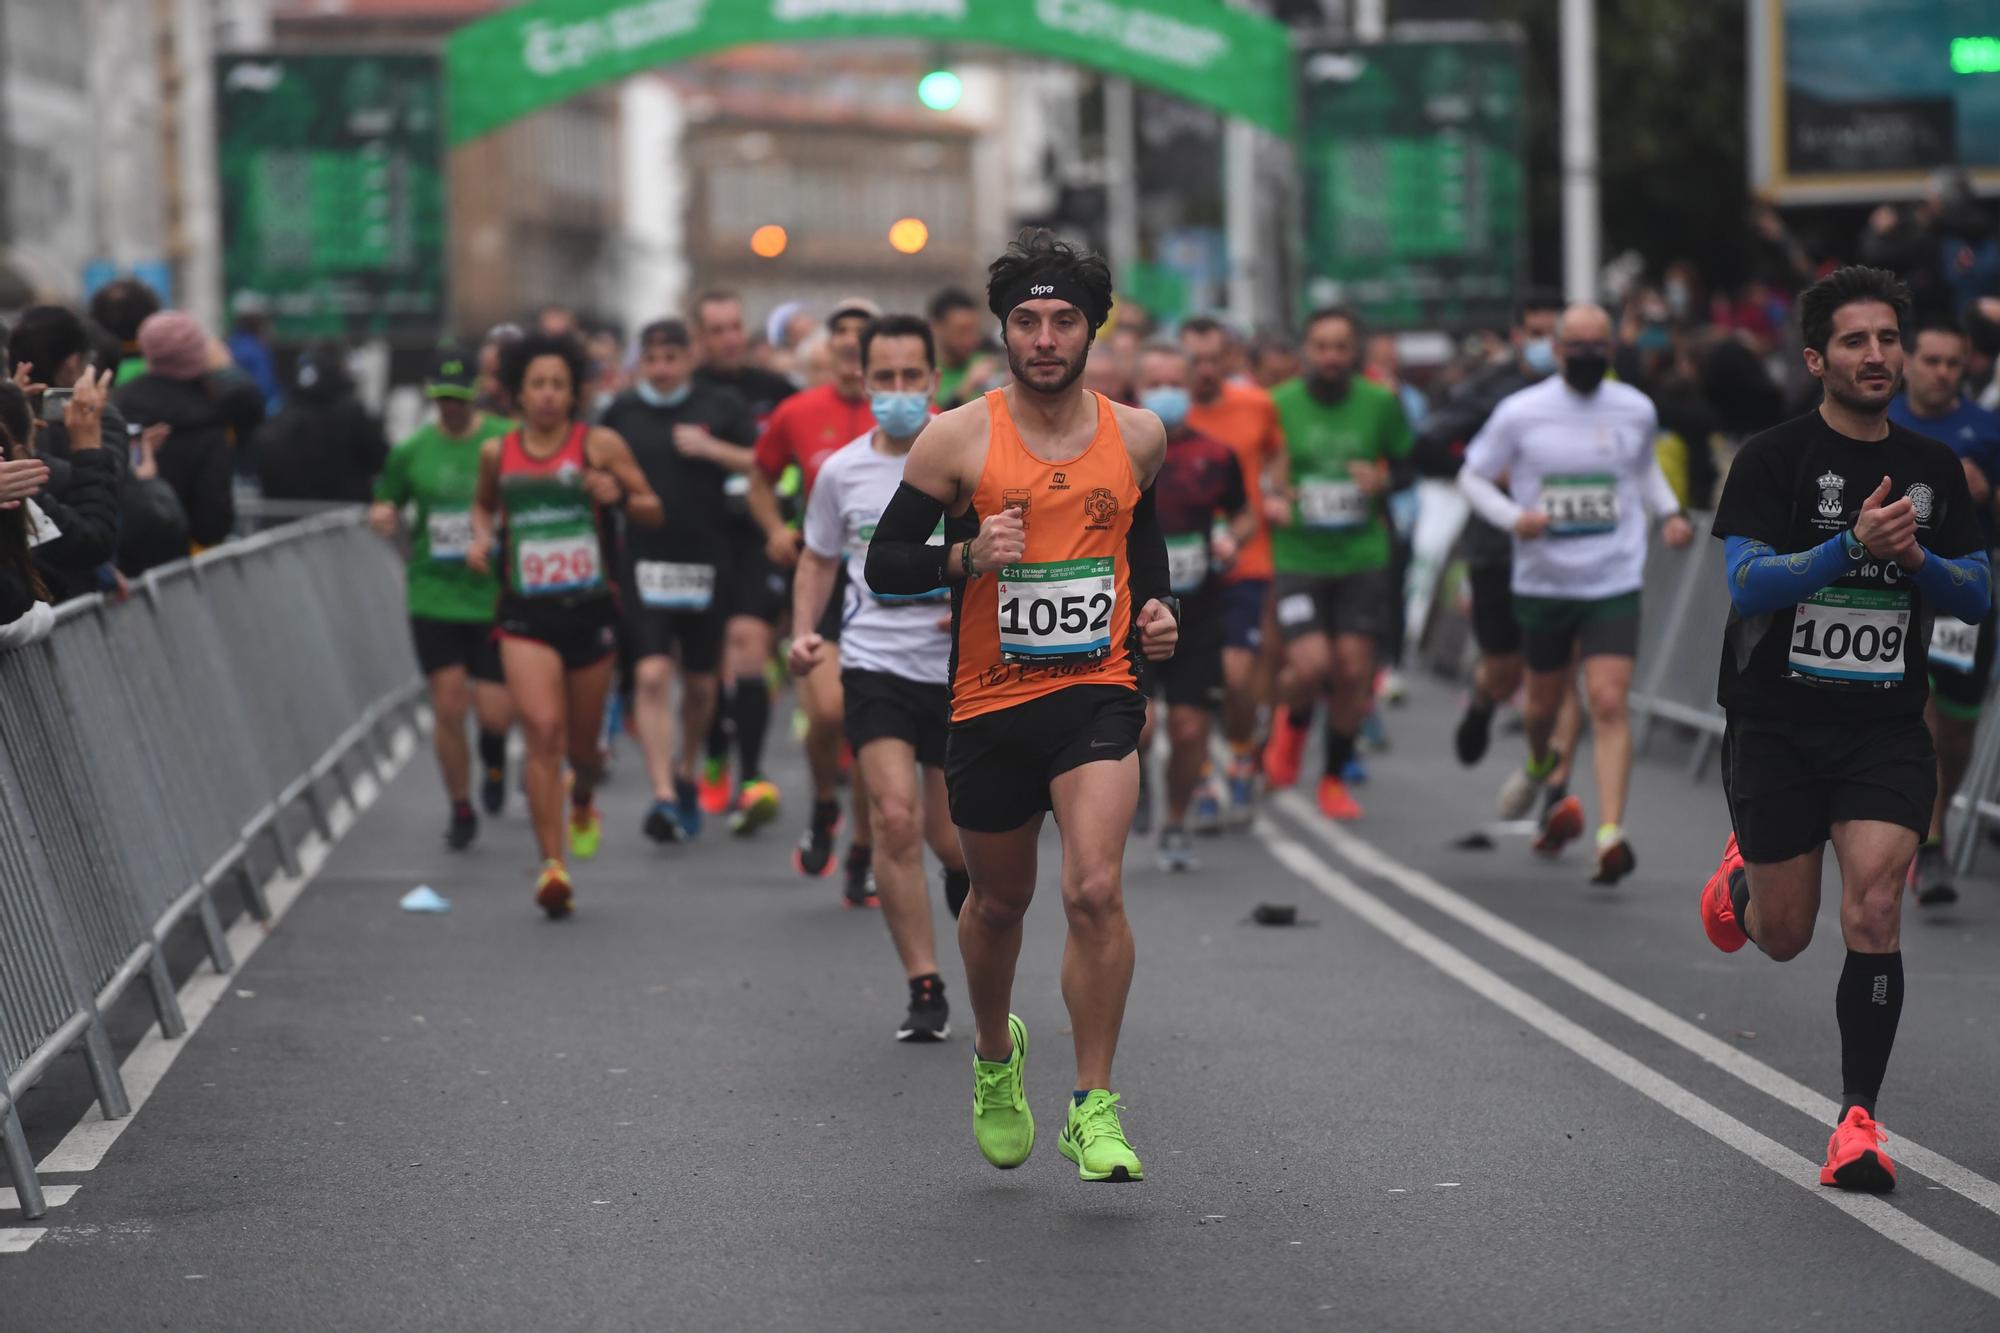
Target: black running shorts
{"points": [[693, 637], [998, 765], [880, 706], [1494, 629], [443, 644], [583, 633], [1789, 783], [1192, 677]]}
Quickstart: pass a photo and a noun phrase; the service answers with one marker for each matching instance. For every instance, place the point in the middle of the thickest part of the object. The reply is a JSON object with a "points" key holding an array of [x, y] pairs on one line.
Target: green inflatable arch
{"points": [[532, 55]]}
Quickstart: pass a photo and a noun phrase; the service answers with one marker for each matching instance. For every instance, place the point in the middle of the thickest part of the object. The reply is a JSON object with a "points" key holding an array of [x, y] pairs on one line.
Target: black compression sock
{"points": [[751, 710], [1868, 1002], [722, 730], [825, 814], [956, 885], [860, 855], [1739, 899], [929, 981], [493, 750], [1339, 749]]}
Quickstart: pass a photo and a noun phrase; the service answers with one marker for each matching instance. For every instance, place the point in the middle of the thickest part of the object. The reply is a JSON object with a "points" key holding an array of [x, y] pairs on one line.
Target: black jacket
{"points": [[1440, 449], [319, 448], [210, 416]]}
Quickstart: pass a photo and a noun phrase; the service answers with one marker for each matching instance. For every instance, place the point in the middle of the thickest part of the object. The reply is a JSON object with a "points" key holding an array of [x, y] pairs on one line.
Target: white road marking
{"points": [[18, 1240], [54, 1195], [1874, 1213], [1368, 858], [84, 1146]]}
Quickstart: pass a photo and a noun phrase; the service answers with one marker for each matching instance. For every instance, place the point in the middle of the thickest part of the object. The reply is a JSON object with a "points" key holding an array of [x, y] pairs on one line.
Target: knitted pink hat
{"points": [[174, 345]]}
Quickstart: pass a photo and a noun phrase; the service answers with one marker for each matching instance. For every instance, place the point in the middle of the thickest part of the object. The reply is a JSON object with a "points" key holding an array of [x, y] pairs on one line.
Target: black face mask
{"points": [[1585, 371]]}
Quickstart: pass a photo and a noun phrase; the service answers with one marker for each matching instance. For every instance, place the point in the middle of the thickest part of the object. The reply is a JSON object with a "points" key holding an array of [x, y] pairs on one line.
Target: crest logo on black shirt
{"points": [[1921, 500], [1831, 484]]}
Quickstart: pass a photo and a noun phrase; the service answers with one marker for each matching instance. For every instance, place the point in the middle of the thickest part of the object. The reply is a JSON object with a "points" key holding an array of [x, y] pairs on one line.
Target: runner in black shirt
{"points": [[693, 441], [1846, 536], [1200, 487]]}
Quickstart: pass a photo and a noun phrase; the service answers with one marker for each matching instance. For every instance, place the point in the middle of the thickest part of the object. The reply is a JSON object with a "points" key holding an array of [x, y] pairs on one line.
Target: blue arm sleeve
{"points": [[1961, 587], [1762, 581]]}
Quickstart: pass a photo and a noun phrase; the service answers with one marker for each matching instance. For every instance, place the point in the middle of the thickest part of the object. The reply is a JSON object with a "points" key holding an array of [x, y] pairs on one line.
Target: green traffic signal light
{"points": [[940, 90]]}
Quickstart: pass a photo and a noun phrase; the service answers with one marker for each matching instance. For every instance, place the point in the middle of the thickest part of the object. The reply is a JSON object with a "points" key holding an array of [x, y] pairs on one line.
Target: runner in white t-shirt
{"points": [[895, 655], [1576, 455]]}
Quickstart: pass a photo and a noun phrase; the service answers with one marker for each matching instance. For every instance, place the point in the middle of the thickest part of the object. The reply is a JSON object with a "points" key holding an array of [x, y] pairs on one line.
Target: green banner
{"points": [[524, 58], [333, 192], [1414, 180]]}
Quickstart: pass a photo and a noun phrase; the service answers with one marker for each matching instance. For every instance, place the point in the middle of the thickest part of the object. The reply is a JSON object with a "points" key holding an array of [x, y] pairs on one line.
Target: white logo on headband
{"points": [[1042, 289]]}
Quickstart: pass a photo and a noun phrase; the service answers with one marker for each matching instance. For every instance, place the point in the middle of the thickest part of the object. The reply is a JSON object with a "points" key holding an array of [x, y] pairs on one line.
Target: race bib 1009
{"points": [[665, 585], [449, 532], [1954, 645], [550, 566], [1058, 612], [1580, 505], [1850, 636], [1334, 506]]}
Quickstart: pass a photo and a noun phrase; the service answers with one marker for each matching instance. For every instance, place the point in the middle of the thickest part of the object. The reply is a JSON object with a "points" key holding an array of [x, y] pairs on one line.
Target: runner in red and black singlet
{"points": [[542, 489]]}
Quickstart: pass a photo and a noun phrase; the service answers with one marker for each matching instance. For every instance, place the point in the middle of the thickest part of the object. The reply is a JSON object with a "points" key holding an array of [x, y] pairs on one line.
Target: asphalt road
{"points": [[1467, 1091]]}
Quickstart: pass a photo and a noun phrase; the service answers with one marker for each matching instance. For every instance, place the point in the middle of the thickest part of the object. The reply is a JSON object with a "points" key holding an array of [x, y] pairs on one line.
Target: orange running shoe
{"points": [[1562, 824], [1718, 909], [1285, 751], [1336, 801], [553, 893], [1854, 1156], [713, 787]]}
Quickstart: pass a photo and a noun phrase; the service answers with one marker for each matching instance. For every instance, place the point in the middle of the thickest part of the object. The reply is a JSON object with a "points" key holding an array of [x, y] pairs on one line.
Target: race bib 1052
{"points": [[1058, 612]]}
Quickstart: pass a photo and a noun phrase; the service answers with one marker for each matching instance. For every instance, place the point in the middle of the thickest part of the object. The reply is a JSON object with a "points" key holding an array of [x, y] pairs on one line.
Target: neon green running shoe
{"points": [[1001, 1120], [1095, 1141], [756, 806], [586, 831]]}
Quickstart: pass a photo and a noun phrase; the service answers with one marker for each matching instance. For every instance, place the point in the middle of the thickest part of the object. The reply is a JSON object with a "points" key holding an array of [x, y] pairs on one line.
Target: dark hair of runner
{"points": [[46, 336], [950, 299], [665, 333], [713, 296], [1038, 252], [1203, 325], [516, 357], [1535, 303], [1326, 312], [1937, 324], [1845, 287], [122, 306], [1164, 347], [899, 326]]}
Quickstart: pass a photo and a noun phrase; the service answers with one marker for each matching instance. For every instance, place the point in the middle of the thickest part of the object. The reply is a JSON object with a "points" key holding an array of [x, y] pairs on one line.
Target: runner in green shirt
{"points": [[1330, 545], [434, 473]]}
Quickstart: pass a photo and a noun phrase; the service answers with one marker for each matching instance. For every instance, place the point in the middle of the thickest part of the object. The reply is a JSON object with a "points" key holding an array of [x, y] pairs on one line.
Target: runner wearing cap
{"points": [[543, 491], [805, 431], [1059, 581], [436, 470], [754, 596]]}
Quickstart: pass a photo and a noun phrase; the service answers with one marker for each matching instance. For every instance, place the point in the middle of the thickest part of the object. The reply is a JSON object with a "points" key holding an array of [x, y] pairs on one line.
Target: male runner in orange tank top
{"points": [[1059, 576]]}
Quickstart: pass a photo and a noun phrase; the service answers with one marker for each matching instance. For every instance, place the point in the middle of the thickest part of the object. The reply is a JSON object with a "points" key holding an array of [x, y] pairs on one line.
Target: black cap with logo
{"points": [[453, 374]]}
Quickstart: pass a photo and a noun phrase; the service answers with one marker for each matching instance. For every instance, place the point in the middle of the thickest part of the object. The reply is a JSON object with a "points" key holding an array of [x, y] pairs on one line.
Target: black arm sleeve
{"points": [[1146, 555], [901, 561]]}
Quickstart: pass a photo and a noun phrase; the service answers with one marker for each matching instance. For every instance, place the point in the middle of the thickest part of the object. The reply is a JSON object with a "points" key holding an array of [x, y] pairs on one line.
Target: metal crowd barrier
{"points": [[146, 746], [1683, 609], [1977, 805]]}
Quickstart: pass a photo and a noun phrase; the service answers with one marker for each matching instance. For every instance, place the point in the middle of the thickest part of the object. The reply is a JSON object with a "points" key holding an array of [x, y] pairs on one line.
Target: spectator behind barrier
{"points": [[250, 345], [210, 408], [153, 525], [324, 444], [120, 307], [52, 348], [25, 614]]}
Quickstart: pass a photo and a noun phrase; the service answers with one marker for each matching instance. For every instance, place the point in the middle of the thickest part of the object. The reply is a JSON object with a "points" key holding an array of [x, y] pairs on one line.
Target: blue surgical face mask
{"points": [[1540, 355], [1169, 404], [652, 397], [900, 415]]}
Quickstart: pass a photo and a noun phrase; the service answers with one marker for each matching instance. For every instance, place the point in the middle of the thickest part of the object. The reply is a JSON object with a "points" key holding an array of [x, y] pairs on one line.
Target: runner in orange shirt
{"points": [[1242, 416]]}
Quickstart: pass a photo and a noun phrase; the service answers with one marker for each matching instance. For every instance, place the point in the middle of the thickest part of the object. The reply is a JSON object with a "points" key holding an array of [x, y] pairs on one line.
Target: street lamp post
{"points": [[1582, 220]]}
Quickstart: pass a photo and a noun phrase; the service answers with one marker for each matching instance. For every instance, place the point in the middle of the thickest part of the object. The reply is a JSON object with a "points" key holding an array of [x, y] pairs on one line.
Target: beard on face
{"points": [[1329, 387], [1072, 372], [1851, 393]]}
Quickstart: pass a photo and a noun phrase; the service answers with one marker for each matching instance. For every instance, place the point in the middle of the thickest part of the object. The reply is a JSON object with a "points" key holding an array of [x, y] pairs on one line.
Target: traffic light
{"points": [[940, 90]]}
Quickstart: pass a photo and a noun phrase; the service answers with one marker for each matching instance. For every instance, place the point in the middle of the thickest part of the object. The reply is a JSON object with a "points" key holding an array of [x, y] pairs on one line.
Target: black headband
{"points": [[1048, 287]]}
